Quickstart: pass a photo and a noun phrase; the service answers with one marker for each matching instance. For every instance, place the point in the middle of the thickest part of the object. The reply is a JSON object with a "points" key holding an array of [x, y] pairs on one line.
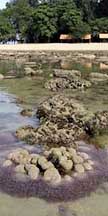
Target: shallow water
{"points": [[32, 92]]}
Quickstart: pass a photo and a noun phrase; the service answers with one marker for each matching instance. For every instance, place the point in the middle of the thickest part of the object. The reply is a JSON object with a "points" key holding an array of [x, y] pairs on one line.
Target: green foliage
{"points": [[45, 20], [43, 23], [100, 25], [6, 29]]}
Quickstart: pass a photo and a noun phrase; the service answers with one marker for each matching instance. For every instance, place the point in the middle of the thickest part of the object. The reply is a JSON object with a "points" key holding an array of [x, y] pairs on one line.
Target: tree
{"points": [[88, 8], [43, 25], [100, 25], [19, 12]]}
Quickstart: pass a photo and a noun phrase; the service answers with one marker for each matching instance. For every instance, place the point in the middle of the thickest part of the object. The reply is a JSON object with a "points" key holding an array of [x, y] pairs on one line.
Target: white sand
{"points": [[56, 47]]}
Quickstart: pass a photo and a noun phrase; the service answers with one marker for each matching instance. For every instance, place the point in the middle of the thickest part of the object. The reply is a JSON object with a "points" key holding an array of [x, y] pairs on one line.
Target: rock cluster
{"points": [[63, 122], [66, 79], [60, 123], [50, 134], [53, 166], [97, 124]]}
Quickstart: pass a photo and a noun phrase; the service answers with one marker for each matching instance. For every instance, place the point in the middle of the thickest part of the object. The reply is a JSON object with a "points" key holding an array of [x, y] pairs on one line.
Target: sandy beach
{"points": [[56, 47]]}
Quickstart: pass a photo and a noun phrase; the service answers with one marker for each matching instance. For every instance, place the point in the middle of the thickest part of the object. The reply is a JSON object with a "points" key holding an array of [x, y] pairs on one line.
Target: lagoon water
{"points": [[32, 92]]}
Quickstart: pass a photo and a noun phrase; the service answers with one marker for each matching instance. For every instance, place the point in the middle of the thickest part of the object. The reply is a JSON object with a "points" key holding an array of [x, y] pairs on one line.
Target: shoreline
{"points": [[56, 47]]}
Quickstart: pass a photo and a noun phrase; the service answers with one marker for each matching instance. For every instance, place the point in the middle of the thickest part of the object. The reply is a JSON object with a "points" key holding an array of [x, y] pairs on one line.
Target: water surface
{"points": [[32, 92]]}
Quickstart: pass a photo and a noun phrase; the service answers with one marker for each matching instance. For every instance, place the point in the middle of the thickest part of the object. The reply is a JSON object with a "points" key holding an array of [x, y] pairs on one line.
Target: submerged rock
{"points": [[79, 168], [7, 163], [97, 124], [57, 84], [66, 79], [27, 112], [66, 73], [98, 77], [20, 169], [87, 166], [33, 172], [62, 122], [53, 168], [52, 175]]}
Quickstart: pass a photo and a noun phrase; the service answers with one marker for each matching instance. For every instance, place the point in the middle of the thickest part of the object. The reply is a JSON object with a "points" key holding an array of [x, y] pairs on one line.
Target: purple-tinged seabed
{"points": [[80, 186]]}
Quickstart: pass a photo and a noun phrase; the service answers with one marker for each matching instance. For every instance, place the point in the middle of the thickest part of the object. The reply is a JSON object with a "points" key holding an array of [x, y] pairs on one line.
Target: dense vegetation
{"points": [[45, 20]]}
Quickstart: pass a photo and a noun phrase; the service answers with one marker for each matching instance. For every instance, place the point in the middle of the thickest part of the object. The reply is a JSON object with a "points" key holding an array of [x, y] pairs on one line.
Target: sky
{"points": [[2, 3]]}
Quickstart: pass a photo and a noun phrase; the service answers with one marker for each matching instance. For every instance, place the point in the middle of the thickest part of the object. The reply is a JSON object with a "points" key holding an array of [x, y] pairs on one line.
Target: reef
{"points": [[16, 181], [67, 79], [63, 121], [66, 168], [53, 166]]}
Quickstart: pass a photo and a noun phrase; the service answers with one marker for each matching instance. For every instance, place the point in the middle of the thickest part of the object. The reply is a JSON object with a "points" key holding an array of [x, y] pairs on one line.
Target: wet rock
{"points": [[24, 132], [52, 175], [79, 168], [41, 161], [58, 165], [46, 165], [50, 134], [77, 159], [57, 84], [34, 158], [84, 155], [61, 107], [90, 162], [56, 152], [29, 71], [67, 178], [97, 123], [7, 163], [66, 73], [87, 166], [72, 152], [20, 169], [66, 79], [19, 156], [97, 77], [27, 112], [33, 172], [62, 122], [67, 165]]}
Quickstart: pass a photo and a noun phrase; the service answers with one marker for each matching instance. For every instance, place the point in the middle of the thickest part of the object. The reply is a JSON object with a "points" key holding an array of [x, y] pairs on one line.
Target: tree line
{"points": [[45, 20]]}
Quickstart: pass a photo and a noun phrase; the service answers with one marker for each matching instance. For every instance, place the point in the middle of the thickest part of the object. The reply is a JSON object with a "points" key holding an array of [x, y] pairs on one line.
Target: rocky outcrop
{"points": [[64, 83], [98, 77], [59, 73], [63, 122], [60, 123], [97, 124], [32, 72], [53, 166], [66, 79]]}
